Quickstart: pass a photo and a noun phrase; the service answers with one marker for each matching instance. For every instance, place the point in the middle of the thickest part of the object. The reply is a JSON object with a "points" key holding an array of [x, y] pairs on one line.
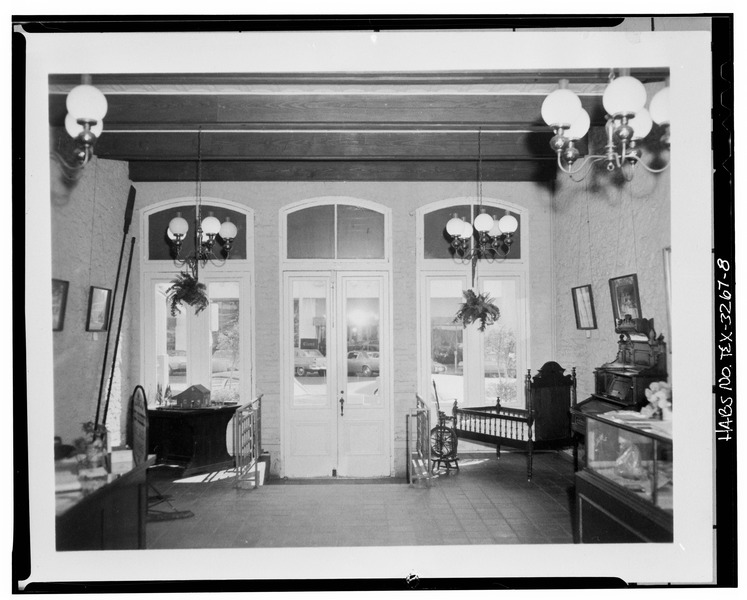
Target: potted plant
{"points": [[477, 307], [91, 449], [187, 288]]}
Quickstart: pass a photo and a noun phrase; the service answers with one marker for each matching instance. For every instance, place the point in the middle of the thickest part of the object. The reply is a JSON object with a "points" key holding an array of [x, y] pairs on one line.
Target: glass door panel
{"points": [[362, 318], [225, 342], [500, 369], [172, 344], [310, 304], [446, 340]]}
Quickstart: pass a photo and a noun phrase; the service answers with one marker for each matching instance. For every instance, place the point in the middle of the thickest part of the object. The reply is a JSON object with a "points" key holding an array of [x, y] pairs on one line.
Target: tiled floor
{"points": [[489, 501]]}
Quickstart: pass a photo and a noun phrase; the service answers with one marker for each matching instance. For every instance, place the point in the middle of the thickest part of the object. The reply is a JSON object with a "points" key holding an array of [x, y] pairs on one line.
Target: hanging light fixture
{"points": [[489, 237], [628, 123], [86, 108], [208, 231]]}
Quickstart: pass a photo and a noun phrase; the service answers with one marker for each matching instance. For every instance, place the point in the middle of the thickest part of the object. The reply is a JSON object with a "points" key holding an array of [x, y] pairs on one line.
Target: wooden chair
{"points": [[544, 425]]}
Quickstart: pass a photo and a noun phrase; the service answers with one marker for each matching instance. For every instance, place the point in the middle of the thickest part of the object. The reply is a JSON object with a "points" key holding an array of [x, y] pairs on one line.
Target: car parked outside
{"points": [[363, 363], [309, 361], [220, 362]]}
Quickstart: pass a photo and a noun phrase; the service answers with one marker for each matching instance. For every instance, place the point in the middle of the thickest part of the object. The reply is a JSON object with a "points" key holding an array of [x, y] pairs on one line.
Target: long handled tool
{"points": [[126, 228], [119, 330]]}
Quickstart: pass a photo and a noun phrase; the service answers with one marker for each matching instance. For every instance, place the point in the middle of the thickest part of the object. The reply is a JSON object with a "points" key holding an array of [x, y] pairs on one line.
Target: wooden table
{"points": [[194, 438]]}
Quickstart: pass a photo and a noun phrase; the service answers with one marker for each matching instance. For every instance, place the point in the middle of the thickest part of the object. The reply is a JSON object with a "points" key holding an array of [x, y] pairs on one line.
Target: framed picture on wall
{"points": [[625, 298], [583, 307], [98, 309], [59, 302]]}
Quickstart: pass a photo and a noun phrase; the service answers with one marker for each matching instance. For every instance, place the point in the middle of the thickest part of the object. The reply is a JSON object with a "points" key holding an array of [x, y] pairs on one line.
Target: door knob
{"points": [[342, 406]]}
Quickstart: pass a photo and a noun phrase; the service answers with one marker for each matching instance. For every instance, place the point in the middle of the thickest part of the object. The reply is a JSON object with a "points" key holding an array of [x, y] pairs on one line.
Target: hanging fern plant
{"points": [[477, 307], [187, 289]]}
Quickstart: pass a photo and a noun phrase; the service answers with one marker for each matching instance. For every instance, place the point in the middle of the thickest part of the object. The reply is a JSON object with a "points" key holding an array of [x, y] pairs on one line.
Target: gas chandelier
{"points": [[207, 230], [494, 235], [628, 123]]}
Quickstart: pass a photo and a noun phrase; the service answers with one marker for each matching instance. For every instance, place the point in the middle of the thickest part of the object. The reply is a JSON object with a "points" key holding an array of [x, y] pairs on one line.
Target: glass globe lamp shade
{"points": [[178, 225], [483, 222], [580, 126], [560, 107], [466, 231], [641, 124], [455, 226], [210, 225], [624, 95], [508, 224], [495, 230], [74, 129], [659, 107], [228, 230], [86, 102]]}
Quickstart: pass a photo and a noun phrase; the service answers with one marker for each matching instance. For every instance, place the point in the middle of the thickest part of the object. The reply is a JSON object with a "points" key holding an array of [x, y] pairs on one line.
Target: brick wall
{"points": [[86, 239], [606, 228], [266, 199]]}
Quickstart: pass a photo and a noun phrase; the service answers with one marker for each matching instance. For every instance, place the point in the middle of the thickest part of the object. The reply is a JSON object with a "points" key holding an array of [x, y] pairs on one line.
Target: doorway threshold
{"points": [[334, 480]]}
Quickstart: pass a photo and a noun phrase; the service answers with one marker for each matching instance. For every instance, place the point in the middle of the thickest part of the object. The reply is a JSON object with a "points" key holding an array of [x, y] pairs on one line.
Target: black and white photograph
{"points": [[343, 346]]}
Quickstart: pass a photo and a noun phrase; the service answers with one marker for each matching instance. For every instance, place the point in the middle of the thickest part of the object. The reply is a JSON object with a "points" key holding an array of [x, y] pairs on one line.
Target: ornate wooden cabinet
{"points": [[621, 384]]}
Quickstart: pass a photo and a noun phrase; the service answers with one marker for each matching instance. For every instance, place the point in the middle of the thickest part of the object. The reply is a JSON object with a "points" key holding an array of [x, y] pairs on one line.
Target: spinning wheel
{"points": [[444, 440]]}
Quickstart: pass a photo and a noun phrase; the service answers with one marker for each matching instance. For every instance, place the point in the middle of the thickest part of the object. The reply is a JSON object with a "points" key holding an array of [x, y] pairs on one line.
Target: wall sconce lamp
{"points": [[84, 122], [628, 123]]}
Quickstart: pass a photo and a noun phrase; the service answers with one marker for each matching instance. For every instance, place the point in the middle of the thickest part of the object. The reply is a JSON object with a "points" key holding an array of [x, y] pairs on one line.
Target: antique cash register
{"points": [[621, 384]]}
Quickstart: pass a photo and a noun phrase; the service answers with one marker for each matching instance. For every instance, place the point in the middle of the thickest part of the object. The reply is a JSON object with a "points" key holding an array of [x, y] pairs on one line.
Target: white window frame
{"points": [[445, 268], [233, 269]]}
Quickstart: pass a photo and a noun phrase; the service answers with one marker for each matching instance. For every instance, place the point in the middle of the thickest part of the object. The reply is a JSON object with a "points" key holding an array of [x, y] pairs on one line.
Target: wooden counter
{"points": [[110, 518]]}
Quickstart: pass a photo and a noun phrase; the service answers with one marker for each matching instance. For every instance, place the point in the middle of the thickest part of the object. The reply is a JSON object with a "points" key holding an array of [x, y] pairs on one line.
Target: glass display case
{"points": [[625, 491], [634, 453]]}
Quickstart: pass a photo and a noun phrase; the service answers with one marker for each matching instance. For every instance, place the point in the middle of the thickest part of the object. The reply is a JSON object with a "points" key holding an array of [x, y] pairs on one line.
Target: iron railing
{"points": [[247, 442], [417, 442]]}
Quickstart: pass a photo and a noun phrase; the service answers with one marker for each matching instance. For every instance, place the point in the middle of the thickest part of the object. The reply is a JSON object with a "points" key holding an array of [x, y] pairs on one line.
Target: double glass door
{"points": [[335, 372]]}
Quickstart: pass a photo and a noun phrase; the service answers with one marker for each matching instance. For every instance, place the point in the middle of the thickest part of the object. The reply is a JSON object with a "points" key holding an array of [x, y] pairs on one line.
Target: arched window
{"points": [[474, 367], [332, 228], [183, 347]]}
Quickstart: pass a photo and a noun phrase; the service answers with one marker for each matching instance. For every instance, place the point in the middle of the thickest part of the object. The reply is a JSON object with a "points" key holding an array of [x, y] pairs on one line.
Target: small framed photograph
{"points": [[625, 298], [98, 309], [59, 302], [583, 306]]}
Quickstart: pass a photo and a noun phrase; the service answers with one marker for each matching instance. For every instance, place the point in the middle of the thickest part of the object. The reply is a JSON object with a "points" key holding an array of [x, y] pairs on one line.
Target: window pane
{"points": [[310, 343], [499, 346], [436, 242], [225, 342], [362, 342], [447, 341], [360, 232], [171, 345], [159, 247], [311, 232]]}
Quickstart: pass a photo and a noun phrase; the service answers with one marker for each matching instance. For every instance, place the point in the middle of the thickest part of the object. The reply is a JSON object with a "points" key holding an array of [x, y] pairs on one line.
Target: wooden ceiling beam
{"points": [[323, 145], [145, 112], [411, 170]]}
